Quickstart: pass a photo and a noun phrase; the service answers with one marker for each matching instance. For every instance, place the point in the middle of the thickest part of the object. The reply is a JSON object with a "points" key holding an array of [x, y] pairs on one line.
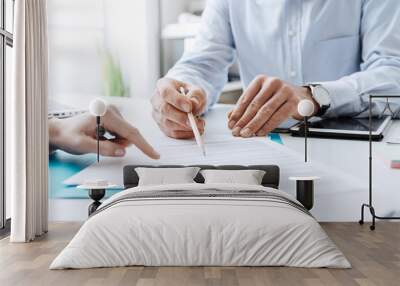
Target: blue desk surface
{"points": [[63, 165]]}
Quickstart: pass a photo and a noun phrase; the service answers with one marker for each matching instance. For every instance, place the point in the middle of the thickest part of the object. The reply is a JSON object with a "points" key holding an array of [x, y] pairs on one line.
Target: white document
{"points": [[221, 150]]}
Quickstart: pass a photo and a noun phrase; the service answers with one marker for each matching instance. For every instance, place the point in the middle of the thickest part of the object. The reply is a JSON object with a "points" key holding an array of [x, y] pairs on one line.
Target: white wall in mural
{"points": [[79, 30]]}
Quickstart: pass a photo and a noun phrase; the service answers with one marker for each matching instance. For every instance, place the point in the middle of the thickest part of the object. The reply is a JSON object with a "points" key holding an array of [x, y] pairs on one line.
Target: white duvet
{"points": [[200, 232]]}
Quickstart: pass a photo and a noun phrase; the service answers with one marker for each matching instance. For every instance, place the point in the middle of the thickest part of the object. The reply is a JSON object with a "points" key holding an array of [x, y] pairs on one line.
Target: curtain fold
{"points": [[28, 150]]}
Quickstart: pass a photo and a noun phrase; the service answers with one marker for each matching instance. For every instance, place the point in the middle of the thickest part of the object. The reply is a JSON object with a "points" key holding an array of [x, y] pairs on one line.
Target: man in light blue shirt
{"points": [[333, 52]]}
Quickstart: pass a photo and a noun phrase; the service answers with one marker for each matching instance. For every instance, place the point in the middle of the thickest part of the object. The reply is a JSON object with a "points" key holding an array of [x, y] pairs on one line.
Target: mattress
{"points": [[201, 225]]}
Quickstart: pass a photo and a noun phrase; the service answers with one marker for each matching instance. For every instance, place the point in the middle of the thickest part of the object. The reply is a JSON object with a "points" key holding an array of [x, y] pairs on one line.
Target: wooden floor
{"points": [[375, 257]]}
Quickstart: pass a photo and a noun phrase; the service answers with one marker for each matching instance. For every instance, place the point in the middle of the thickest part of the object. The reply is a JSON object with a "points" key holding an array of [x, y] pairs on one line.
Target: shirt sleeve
{"points": [[380, 67], [206, 65]]}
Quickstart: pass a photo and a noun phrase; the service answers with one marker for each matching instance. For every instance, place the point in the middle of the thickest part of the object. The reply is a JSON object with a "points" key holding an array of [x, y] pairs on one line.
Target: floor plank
{"points": [[375, 257]]}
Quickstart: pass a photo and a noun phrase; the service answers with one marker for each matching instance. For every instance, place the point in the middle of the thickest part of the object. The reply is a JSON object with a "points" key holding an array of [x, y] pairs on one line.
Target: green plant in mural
{"points": [[112, 77]]}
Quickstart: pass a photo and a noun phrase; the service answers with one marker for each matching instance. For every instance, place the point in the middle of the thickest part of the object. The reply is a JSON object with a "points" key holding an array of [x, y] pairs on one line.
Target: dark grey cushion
{"points": [[271, 177]]}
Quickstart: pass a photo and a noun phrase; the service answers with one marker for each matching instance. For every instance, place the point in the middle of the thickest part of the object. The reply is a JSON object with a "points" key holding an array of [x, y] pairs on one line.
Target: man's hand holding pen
{"points": [[171, 108]]}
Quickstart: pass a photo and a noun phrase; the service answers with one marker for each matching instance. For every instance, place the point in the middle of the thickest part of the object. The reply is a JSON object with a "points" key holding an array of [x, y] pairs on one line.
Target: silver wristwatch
{"points": [[321, 96]]}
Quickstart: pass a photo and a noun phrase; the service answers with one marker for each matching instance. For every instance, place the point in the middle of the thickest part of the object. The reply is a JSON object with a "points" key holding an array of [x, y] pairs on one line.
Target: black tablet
{"points": [[344, 128], [285, 126]]}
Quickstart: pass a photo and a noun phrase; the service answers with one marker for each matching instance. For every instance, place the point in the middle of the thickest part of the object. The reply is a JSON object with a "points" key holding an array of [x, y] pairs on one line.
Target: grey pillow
{"points": [[166, 176], [245, 177]]}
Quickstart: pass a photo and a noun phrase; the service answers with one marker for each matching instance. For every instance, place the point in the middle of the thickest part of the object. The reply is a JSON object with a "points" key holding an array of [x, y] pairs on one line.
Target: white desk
{"points": [[348, 156]]}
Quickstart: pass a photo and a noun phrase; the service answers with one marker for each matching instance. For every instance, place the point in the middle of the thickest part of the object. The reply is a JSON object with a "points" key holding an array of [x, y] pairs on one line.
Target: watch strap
{"points": [[322, 108]]}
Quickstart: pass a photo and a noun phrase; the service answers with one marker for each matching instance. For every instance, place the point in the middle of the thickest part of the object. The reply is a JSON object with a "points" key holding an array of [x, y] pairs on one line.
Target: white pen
{"points": [[193, 124]]}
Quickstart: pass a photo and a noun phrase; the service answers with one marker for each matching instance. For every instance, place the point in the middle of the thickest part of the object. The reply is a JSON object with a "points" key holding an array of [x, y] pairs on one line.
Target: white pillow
{"points": [[245, 177], [166, 176]]}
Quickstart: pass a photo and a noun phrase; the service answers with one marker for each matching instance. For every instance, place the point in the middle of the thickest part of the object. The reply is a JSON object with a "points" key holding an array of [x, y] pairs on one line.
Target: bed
{"points": [[199, 224]]}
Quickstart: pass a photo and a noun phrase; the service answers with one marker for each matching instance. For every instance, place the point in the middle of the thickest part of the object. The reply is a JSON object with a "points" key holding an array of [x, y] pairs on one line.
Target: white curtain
{"points": [[28, 131]]}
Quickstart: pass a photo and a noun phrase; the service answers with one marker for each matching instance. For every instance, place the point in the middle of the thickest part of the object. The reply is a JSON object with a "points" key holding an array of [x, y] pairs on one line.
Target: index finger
{"points": [[244, 101], [124, 130], [172, 96], [198, 99], [138, 140]]}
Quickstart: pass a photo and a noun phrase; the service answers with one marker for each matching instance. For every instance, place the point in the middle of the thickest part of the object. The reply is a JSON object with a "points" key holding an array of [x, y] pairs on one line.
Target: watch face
{"points": [[321, 95]]}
